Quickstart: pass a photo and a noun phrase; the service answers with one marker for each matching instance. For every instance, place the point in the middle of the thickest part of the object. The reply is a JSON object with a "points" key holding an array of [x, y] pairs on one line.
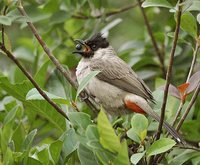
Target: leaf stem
{"points": [[193, 59], [177, 113]]}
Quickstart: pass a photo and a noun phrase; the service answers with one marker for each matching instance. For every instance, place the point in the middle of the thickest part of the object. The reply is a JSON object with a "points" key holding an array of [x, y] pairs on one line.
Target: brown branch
{"points": [[169, 70], [188, 147], [53, 59], [168, 77], [118, 11], [155, 45], [12, 57], [194, 98]]}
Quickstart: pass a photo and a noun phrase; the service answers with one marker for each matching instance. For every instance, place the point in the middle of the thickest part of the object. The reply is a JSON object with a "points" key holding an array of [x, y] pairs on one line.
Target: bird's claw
{"points": [[84, 96]]}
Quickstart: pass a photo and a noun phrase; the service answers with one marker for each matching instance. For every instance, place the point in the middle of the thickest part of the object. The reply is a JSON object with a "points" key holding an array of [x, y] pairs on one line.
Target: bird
{"points": [[117, 88]]}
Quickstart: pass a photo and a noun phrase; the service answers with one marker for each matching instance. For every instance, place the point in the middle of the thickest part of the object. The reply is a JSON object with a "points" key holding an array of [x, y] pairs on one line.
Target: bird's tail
{"points": [[140, 105], [168, 127]]}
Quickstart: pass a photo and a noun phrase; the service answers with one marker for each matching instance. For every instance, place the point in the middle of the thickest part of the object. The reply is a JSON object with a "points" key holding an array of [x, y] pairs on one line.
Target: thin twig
{"points": [[155, 45], [194, 98], [188, 147], [2, 26], [169, 70], [177, 113], [12, 57], [54, 60], [121, 10], [193, 59]]}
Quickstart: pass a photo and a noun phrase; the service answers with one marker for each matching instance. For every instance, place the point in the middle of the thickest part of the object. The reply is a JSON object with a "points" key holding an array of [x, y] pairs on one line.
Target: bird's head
{"points": [[88, 47]]}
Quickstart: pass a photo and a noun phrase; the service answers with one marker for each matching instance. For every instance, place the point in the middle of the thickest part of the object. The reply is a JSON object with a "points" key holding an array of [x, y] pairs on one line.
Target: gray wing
{"points": [[116, 72]]}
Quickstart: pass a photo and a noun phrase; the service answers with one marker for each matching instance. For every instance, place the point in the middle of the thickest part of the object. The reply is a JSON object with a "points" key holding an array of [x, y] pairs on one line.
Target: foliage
{"points": [[32, 132]]}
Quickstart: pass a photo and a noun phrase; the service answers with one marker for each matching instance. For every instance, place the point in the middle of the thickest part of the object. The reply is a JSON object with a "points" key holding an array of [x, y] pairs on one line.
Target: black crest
{"points": [[97, 41]]}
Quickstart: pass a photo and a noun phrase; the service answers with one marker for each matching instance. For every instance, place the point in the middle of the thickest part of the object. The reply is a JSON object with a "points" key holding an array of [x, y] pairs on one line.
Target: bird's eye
{"points": [[78, 46], [94, 46]]}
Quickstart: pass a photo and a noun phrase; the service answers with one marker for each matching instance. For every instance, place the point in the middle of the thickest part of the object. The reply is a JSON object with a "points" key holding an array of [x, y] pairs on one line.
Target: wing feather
{"points": [[116, 72]]}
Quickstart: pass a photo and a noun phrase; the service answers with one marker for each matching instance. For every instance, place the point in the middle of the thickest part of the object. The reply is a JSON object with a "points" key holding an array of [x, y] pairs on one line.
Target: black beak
{"points": [[82, 48], [79, 45]]}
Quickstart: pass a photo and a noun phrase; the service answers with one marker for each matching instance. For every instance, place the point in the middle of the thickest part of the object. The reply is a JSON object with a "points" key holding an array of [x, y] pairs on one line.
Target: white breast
{"points": [[109, 96]]}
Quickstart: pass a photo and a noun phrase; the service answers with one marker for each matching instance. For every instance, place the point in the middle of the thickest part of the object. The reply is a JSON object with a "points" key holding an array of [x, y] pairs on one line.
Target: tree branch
{"points": [[12, 57], [168, 76], [2, 26], [121, 10], [159, 158], [54, 60], [194, 58], [169, 70], [155, 45]]}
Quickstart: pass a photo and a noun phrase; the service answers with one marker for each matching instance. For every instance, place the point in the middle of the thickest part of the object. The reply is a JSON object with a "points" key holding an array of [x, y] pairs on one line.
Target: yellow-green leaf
{"points": [[108, 138], [160, 146]]}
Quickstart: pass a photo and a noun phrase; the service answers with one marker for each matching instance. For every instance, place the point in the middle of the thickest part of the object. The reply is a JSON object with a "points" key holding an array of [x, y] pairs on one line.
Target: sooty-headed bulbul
{"points": [[117, 87]]}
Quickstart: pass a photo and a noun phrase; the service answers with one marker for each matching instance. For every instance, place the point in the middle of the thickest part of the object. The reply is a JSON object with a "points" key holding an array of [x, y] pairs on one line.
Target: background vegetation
{"points": [[33, 132]]}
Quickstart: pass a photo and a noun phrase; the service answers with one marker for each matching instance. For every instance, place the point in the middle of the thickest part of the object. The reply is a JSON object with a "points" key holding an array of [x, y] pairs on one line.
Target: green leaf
{"points": [[33, 161], [190, 130], [183, 157], [18, 91], [189, 24], [86, 156], [133, 135], [47, 111], [108, 138], [195, 6], [70, 143], [80, 119], [8, 158], [29, 139], [40, 76], [18, 137], [139, 125], [28, 143], [43, 156], [5, 20], [84, 82], [160, 146], [59, 17], [6, 131], [135, 158], [55, 149], [9, 117], [122, 157], [156, 3], [92, 132], [198, 18], [33, 94]]}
